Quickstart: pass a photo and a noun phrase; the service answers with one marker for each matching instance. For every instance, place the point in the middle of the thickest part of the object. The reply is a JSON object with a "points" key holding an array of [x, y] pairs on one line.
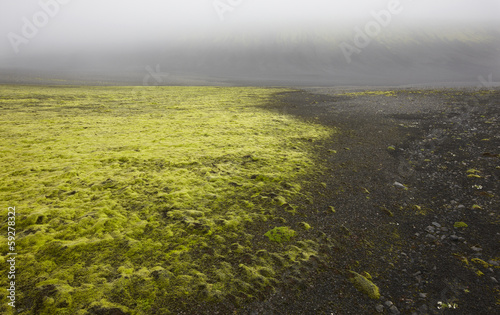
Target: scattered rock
{"points": [[394, 310], [430, 237], [476, 249], [379, 308], [430, 229], [399, 185]]}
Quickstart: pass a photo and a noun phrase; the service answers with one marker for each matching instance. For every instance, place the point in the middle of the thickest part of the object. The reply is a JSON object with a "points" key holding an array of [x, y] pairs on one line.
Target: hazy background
{"points": [[230, 42]]}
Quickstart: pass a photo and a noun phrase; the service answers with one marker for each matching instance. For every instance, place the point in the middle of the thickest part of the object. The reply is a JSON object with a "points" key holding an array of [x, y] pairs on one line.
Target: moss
{"points": [[473, 176], [280, 234], [133, 199], [364, 285], [367, 275], [458, 225], [386, 211], [473, 171], [481, 262], [305, 226]]}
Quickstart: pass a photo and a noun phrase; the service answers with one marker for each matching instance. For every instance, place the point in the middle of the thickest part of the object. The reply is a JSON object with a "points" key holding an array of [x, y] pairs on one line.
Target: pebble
{"points": [[430, 229], [454, 238], [476, 249], [461, 206], [436, 224], [430, 236], [422, 295], [388, 303], [444, 229], [379, 308], [399, 185], [494, 279], [394, 310]]}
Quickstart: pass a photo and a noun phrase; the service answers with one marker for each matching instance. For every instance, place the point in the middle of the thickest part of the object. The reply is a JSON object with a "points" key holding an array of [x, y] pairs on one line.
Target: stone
{"points": [[388, 303], [430, 229], [430, 237], [436, 224], [454, 238], [394, 310], [422, 295], [379, 308], [399, 185], [365, 285]]}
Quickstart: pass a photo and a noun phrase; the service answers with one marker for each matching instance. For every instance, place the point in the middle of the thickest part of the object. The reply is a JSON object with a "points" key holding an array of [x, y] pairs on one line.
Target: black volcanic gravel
{"points": [[405, 166]]}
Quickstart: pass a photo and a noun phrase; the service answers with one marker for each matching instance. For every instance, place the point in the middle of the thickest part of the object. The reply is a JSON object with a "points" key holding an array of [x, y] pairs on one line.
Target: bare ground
{"points": [[443, 147]]}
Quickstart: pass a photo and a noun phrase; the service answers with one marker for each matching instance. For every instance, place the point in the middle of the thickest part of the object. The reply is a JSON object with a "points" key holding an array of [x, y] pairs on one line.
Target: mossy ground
{"points": [[138, 198]]}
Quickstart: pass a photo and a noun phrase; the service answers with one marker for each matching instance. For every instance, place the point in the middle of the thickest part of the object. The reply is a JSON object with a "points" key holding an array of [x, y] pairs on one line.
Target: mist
{"points": [[242, 42]]}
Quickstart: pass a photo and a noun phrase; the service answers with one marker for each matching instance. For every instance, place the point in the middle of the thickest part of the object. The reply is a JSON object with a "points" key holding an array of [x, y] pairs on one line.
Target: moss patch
{"points": [[458, 225], [280, 234], [364, 285], [140, 198]]}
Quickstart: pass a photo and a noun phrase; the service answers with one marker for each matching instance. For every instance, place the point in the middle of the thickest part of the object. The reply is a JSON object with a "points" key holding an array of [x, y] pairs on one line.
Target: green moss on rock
{"points": [[364, 285], [280, 234], [458, 225]]}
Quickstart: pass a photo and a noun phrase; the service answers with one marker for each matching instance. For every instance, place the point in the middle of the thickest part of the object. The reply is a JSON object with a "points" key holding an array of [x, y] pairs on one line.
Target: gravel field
{"points": [[411, 200]]}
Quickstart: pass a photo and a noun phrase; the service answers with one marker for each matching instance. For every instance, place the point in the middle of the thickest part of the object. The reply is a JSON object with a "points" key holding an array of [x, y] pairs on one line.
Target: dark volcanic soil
{"points": [[405, 168]]}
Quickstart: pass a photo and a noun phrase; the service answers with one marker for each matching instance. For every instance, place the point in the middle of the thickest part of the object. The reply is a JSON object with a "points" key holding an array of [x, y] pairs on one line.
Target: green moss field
{"points": [[145, 199]]}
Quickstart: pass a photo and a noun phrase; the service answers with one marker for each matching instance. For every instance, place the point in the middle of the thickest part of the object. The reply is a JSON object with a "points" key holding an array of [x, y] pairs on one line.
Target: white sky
{"points": [[109, 23]]}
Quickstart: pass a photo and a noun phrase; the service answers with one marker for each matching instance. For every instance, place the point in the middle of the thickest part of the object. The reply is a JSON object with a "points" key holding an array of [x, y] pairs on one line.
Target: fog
{"points": [[231, 42]]}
